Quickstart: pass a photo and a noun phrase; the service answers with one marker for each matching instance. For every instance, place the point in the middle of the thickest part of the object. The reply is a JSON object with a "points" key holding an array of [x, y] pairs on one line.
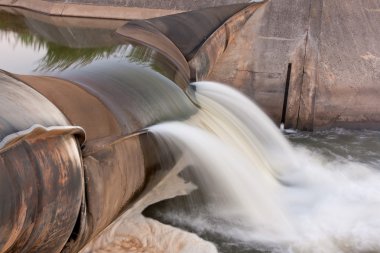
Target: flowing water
{"points": [[139, 84], [257, 192]]}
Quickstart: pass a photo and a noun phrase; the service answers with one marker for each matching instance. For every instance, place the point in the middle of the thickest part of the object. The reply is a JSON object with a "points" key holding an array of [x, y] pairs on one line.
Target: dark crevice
{"points": [[302, 80], [228, 37], [77, 228], [286, 94], [303, 68], [259, 72]]}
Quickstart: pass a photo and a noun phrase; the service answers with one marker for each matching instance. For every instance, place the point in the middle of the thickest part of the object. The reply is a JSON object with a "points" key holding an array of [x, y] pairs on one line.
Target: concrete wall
{"points": [[155, 4], [115, 9], [63, 8], [256, 61], [335, 55], [348, 86]]}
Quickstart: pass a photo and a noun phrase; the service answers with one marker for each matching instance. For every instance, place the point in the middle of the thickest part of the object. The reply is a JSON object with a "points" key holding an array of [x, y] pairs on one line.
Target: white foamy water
{"points": [[256, 188]]}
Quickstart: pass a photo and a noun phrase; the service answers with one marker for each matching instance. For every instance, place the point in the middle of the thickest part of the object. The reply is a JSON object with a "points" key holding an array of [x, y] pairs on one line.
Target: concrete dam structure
{"points": [[82, 148]]}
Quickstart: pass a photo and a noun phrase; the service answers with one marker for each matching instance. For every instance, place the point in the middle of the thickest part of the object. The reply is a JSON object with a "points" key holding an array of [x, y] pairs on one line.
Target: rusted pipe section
{"points": [[40, 192], [61, 190], [112, 104]]}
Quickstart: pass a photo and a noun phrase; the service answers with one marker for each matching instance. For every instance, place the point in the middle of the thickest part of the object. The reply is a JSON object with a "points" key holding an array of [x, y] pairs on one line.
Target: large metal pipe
{"points": [[40, 192], [57, 191]]}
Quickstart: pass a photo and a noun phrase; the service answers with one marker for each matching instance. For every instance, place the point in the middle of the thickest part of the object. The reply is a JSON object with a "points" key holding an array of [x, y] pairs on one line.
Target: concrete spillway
{"points": [[73, 147]]}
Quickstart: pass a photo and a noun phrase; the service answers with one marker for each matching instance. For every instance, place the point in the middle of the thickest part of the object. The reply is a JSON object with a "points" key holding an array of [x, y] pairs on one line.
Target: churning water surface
{"points": [[258, 192]]}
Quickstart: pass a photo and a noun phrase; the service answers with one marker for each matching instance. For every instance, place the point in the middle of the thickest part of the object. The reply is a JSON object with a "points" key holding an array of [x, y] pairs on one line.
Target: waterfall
{"points": [[253, 186]]}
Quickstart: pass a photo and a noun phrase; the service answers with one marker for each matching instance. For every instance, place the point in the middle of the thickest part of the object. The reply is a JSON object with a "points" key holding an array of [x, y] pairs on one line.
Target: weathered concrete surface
{"points": [[184, 5], [333, 48], [203, 61], [86, 10], [257, 60], [144, 235], [348, 89], [115, 9]]}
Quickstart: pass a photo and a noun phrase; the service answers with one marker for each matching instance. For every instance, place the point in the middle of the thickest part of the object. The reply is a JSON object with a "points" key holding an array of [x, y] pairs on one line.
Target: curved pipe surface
{"points": [[116, 166], [40, 192]]}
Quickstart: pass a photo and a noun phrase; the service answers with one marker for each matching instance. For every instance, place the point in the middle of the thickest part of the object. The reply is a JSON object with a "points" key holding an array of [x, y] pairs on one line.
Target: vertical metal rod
{"points": [[286, 94]]}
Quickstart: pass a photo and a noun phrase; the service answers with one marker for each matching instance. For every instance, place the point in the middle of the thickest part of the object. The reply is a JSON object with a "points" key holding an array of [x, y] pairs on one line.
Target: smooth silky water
{"points": [[257, 189], [258, 192], [89, 53]]}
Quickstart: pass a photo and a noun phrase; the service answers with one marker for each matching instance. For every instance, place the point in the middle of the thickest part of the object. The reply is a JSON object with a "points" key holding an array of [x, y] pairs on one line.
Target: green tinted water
{"points": [[31, 43]]}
